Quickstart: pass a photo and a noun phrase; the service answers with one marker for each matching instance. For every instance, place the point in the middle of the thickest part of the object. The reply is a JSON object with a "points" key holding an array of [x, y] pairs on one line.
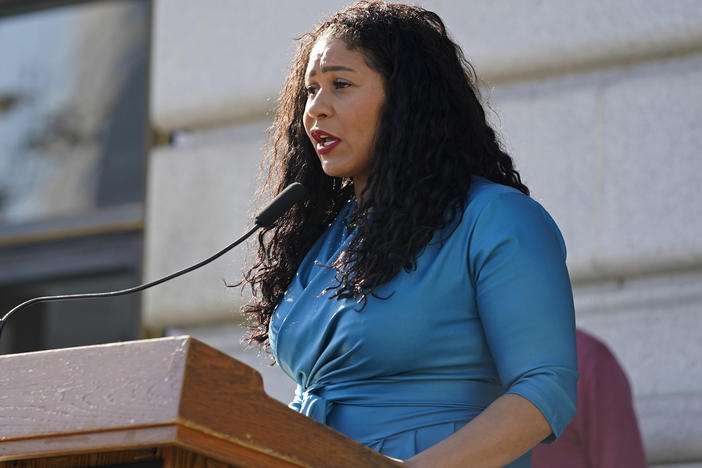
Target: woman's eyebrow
{"points": [[329, 68]]}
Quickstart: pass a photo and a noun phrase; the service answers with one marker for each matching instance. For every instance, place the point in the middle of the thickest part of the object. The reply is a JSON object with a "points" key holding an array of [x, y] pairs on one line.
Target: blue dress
{"points": [[487, 311]]}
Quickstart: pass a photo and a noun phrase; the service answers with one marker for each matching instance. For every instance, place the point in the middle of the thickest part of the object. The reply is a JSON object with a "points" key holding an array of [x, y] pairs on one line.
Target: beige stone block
{"points": [[613, 155], [224, 60], [198, 201], [221, 61]]}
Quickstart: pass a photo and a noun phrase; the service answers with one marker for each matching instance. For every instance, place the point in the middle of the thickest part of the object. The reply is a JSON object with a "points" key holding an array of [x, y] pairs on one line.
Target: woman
{"points": [[418, 297]]}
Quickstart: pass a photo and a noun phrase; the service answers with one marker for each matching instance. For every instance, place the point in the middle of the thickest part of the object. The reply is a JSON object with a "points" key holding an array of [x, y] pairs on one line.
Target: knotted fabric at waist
{"points": [[399, 404]]}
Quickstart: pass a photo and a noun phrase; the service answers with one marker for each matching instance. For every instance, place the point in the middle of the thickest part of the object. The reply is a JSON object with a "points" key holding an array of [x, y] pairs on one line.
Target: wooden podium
{"points": [[170, 402]]}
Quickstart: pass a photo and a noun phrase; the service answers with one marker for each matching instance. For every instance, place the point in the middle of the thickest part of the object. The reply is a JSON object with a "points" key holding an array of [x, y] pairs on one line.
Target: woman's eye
{"points": [[338, 84], [311, 90]]}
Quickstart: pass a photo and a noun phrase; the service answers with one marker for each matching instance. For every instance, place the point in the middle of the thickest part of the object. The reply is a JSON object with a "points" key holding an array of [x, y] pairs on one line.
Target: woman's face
{"points": [[344, 99]]}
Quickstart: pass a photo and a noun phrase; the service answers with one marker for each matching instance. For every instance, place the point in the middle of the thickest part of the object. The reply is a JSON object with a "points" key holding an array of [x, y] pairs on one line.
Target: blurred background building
{"points": [[131, 133], [73, 146]]}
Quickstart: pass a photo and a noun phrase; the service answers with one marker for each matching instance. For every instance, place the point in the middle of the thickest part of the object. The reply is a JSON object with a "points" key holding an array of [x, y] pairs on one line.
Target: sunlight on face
{"points": [[344, 100]]}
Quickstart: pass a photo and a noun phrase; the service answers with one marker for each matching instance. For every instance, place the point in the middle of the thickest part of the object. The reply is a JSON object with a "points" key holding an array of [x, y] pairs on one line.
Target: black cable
{"points": [[279, 205], [128, 290]]}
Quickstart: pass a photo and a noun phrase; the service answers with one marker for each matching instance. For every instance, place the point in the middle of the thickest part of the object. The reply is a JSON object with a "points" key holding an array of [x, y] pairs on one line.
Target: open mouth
{"points": [[325, 141]]}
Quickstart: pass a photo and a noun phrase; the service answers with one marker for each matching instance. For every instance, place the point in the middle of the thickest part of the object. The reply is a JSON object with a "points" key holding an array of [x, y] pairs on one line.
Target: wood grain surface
{"points": [[87, 442], [228, 398], [93, 387], [88, 460], [197, 406]]}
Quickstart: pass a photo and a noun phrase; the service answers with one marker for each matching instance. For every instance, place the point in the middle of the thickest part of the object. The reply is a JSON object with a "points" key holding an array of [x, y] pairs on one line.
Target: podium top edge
{"points": [[176, 340]]}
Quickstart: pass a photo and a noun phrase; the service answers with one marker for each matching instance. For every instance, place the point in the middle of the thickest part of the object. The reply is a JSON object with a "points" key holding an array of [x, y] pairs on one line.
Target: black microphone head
{"points": [[280, 204]]}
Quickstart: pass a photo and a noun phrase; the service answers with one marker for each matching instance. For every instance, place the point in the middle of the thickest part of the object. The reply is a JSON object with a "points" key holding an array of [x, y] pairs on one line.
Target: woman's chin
{"points": [[332, 171]]}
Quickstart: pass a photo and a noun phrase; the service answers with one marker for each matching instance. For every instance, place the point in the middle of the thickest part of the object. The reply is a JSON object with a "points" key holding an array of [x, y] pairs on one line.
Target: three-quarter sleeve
{"points": [[524, 299]]}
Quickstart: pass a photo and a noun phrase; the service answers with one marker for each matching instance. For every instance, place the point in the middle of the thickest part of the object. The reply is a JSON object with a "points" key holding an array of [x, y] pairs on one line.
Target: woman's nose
{"points": [[319, 106]]}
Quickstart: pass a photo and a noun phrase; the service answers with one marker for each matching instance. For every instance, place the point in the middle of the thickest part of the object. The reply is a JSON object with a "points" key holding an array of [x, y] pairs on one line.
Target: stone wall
{"points": [[599, 102]]}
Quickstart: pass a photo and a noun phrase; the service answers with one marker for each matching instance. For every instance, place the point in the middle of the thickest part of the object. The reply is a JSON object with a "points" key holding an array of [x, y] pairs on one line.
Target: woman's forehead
{"points": [[333, 54]]}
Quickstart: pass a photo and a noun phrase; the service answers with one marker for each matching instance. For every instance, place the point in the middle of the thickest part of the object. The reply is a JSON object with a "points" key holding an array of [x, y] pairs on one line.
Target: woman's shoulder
{"points": [[487, 198], [497, 211], [484, 192]]}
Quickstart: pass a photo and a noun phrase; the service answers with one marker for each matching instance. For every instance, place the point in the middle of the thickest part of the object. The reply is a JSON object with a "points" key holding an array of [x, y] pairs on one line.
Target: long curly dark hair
{"points": [[432, 137]]}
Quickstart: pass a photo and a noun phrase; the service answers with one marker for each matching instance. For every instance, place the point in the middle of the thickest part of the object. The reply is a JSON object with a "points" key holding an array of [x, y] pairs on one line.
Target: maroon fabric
{"points": [[604, 432]]}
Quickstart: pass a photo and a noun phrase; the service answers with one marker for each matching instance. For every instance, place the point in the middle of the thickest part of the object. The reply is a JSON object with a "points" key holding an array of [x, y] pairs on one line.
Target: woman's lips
{"points": [[325, 142], [326, 147]]}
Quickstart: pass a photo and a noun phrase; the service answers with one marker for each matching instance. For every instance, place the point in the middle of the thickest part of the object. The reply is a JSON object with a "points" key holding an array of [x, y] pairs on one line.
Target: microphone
{"points": [[280, 204], [283, 202]]}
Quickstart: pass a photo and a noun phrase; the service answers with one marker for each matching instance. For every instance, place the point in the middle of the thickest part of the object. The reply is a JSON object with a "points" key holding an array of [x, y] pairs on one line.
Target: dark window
{"points": [[73, 144]]}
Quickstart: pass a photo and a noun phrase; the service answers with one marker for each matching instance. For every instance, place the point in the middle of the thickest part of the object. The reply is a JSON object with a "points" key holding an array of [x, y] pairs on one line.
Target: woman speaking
{"points": [[418, 297]]}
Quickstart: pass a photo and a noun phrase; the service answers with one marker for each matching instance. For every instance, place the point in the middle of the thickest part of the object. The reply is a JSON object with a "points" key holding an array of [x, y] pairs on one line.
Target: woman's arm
{"points": [[517, 262], [507, 429]]}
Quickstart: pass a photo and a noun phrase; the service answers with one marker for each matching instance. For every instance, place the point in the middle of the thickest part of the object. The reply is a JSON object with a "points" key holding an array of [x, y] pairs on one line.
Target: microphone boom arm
{"points": [[275, 209], [134, 289]]}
